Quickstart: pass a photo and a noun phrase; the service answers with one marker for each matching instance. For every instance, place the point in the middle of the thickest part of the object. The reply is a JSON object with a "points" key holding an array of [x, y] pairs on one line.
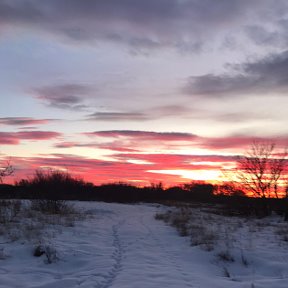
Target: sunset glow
{"points": [[140, 91], [188, 175]]}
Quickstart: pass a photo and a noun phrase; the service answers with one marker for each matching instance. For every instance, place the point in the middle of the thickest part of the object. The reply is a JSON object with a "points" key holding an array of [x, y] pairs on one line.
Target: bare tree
{"points": [[5, 171], [261, 170]]}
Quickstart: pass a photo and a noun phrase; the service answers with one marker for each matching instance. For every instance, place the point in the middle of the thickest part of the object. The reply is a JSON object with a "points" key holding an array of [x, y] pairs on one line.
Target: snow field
{"points": [[124, 246], [252, 252]]}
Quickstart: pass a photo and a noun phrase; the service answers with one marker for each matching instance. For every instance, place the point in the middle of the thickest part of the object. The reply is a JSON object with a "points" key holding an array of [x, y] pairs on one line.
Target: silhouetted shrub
{"points": [[228, 189], [53, 184]]}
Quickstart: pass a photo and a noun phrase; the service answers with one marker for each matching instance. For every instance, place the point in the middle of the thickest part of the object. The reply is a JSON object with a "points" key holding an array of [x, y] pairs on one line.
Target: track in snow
{"points": [[148, 260], [116, 256]]}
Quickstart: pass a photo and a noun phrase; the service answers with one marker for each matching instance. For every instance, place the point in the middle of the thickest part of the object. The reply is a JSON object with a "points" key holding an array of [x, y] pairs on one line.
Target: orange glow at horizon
{"points": [[143, 169], [198, 175]]}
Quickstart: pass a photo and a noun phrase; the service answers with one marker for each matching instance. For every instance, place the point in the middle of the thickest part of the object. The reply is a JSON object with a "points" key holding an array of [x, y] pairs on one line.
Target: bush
{"points": [[52, 206], [163, 216], [9, 209], [3, 255], [52, 184], [19, 220], [47, 250], [283, 233], [201, 236], [225, 256], [178, 219]]}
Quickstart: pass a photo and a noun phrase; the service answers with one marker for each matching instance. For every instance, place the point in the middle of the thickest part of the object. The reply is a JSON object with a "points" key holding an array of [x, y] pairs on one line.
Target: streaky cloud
{"points": [[264, 76], [64, 96], [143, 139], [148, 135], [23, 121], [14, 138], [118, 116]]}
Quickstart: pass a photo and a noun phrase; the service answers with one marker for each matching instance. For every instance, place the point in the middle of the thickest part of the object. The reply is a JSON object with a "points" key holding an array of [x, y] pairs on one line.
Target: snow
{"points": [[124, 246]]}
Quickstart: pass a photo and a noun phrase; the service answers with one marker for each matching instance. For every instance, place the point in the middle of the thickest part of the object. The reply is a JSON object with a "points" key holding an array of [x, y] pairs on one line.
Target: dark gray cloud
{"points": [[67, 96], [147, 114], [265, 76], [149, 24], [145, 135], [239, 117], [118, 116], [23, 121]]}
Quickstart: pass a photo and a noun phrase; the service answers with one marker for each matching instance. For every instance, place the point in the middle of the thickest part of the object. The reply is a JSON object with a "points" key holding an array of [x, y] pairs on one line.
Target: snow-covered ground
{"points": [[124, 246]]}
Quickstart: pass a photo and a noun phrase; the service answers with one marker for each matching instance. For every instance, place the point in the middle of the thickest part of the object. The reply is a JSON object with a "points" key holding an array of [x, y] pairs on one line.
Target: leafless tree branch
{"points": [[5, 171], [261, 170]]}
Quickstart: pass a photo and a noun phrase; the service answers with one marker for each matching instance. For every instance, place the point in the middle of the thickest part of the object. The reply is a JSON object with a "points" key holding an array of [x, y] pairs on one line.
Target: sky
{"points": [[140, 91]]}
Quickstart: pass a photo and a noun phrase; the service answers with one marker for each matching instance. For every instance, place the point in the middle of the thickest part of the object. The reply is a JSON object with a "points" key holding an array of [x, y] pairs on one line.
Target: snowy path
{"points": [[141, 256], [122, 246], [147, 260]]}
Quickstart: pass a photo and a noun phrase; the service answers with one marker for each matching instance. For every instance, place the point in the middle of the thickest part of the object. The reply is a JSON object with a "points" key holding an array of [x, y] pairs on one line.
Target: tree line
{"points": [[260, 173]]}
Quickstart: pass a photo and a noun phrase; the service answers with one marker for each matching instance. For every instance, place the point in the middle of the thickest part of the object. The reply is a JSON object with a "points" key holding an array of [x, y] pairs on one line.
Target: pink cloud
{"points": [[14, 138], [8, 139], [37, 135], [66, 145], [132, 138], [128, 163]]}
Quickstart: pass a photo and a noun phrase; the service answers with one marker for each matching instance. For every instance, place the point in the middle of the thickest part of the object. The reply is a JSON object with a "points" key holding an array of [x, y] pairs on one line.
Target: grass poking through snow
{"points": [[234, 241], [35, 223]]}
